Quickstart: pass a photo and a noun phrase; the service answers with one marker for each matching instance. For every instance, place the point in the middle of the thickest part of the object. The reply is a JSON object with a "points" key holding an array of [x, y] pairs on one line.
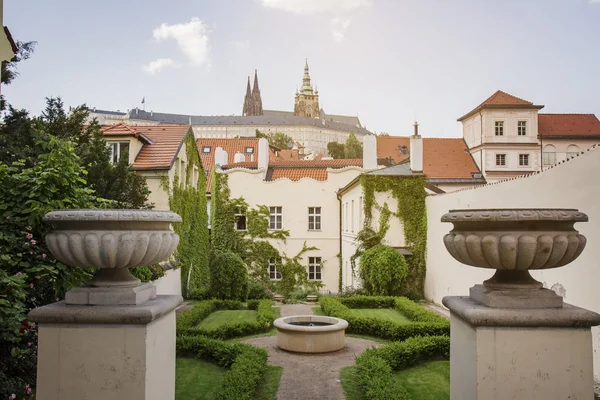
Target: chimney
{"points": [[263, 154], [220, 157], [239, 157], [416, 151], [370, 152]]}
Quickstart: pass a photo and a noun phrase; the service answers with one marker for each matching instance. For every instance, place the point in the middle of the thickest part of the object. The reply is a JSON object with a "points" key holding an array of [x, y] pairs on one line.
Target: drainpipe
{"points": [[341, 259], [481, 142]]}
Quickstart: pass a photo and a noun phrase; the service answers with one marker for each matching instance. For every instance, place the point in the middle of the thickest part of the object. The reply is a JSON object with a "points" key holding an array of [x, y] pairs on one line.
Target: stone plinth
{"points": [[517, 354], [107, 352], [310, 339]]}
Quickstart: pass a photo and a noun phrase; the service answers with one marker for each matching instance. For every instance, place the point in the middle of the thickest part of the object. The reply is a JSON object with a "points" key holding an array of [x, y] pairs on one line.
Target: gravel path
{"points": [[310, 376]]}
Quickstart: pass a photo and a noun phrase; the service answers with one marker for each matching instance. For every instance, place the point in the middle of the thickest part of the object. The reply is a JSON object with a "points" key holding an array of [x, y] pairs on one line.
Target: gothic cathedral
{"points": [[306, 102], [252, 101]]}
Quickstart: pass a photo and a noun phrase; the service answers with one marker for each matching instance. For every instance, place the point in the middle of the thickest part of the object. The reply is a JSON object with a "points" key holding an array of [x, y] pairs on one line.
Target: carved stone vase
{"points": [[514, 241], [112, 241]]}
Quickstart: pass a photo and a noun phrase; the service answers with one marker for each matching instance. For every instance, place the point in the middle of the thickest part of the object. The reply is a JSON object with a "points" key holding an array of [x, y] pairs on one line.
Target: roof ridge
{"points": [[566, 114], [506, 93]]}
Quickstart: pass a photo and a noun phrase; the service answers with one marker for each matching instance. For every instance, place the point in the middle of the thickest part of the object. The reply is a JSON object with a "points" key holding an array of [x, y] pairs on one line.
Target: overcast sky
{"points": [[387, 61]]}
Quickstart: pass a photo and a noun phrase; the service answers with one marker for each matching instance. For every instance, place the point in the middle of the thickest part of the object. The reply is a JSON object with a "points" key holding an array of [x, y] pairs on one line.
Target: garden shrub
{"points": [[257, 290], [247, 364], [375, 366], [188, 321], [228, 277], [424, 323], [148, 274], [383, 271], [199, 293]]}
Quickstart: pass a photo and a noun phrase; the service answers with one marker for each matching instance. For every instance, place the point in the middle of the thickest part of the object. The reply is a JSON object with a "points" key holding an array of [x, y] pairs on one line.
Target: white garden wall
{"points": [[170, 283], [573, 184]]}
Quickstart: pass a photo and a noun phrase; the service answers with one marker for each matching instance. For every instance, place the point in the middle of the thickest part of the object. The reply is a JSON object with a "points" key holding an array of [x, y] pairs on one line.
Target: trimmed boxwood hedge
{"points": [[188, 321], [375, 365], [424, 323], [247, 364]]}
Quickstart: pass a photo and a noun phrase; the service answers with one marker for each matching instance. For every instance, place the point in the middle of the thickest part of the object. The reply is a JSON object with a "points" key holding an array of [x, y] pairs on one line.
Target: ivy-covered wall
{"points": [[192, 253], [409, 193]]}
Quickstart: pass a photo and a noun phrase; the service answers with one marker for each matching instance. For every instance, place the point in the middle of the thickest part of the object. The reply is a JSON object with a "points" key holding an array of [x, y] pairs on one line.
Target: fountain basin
{"points": [[296, 334]]}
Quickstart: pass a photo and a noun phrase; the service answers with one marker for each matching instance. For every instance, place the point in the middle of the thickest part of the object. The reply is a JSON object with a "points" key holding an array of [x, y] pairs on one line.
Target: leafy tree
{"points": [[335, 150], [277, 139], [383, 271], [353, 148], [222, 217], [228, 277], [19, 140], [8, 69]]}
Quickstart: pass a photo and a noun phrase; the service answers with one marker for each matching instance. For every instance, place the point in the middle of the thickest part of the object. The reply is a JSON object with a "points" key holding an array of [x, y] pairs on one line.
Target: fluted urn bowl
{"points": [[111, 241], [514, 241]]}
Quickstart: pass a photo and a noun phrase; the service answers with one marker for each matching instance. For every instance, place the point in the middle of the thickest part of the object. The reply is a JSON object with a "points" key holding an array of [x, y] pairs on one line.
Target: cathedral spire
{"points": [[256, 99], [306, 87], [255, 88], [247, 109]]}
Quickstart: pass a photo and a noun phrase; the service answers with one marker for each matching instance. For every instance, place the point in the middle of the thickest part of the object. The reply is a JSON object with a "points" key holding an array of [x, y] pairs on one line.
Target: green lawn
{"points": [[219, 318], [427, 381], [381, 313], [197, 379]]}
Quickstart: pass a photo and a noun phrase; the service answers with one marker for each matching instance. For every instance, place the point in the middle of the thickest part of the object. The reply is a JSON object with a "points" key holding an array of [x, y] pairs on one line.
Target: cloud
{"points": [[191, 37], [594, 1], [315, 6], [154, 67], [338, 28]]}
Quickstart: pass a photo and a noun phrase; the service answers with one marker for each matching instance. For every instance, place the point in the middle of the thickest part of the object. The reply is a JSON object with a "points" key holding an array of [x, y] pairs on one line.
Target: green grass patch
{"points": [[196, 379], [267, 390], [427, 381], [350, 383], [227, 317], [386, 314]]}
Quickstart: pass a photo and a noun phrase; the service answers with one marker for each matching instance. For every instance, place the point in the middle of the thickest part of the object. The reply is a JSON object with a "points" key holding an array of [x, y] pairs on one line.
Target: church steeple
{"points": [[306, 86], [306, 102], [252, 100]]}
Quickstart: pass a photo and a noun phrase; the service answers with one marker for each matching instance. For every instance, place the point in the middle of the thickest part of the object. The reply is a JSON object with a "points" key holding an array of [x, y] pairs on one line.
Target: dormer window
{"points": [[118, 149], [403, 150], [249, 150], [205, 149]]}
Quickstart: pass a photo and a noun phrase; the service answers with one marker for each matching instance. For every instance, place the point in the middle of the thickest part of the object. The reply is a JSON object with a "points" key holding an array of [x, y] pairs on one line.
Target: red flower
{"points": [[33, 242], [43, 256], [29, 228], [31, 286], [18, 273], [29, 236]]}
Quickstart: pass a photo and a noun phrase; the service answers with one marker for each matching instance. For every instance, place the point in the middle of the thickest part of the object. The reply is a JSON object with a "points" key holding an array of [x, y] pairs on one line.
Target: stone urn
{"points": [[514, 241], [112, 241]]}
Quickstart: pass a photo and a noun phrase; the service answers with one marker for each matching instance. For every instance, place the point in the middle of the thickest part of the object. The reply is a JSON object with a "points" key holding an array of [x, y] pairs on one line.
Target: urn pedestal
{"points": [[114, 337], [512, 338]]}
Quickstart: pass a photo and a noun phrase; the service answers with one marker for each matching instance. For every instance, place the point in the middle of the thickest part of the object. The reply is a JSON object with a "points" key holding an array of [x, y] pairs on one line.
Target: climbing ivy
{"points": [[190, 203], [409, 193], [294, 274]]}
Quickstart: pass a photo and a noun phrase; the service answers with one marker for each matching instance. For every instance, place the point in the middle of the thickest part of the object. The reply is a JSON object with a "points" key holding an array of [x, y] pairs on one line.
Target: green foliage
{"points": [[375, 366], [424, 323], [192, 252], [222, 216], [29, 276], [228, 277], [383, 271], [335, 150], [277, 139], [409, 194], [353, 148], [148, 274], [188, 321], [294, 275], [257, 290], [9, 69], [247, 364]]}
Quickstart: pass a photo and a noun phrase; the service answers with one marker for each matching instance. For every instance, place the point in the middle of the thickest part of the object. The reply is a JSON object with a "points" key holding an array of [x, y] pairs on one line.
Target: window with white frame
{"points": [[523, 160], [118, 149], [314, 268], [314, 218], [275, 218], [346, 217], [360, 212], [249, 150], [205, 149], [500, 160], [274, 275], [522, 128], [240, 219], [573, 151], [499, 128], [549, 155], [352, 217]]}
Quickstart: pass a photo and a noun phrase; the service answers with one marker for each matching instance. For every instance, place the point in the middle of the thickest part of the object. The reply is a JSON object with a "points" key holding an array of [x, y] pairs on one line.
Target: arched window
{"points": [[572, 151], [549, 155]]}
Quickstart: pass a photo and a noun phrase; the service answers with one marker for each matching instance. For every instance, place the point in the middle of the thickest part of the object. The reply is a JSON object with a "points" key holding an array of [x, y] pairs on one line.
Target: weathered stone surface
{"points": [[515, 298], [62, 313], [118, 296], [477, 314], [310, 339]]}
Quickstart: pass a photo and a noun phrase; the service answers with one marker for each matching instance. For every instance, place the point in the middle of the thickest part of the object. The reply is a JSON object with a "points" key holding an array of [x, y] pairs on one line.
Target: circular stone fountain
{"points": [[310, 333]]}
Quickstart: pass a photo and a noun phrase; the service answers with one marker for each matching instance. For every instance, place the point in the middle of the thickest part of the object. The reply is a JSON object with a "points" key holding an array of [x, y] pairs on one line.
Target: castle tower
{"points": [[306, 102], [252, 100]]}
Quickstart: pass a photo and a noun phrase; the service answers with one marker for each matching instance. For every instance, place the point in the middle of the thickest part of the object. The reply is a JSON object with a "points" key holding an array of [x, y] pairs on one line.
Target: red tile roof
{"points": [[295, 174], [443, 158], [231, 146], [584, 125], [166, 140], [501, 99]]}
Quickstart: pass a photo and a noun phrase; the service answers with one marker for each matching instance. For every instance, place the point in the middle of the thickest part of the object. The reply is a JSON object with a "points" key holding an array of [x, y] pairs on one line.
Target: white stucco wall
{"points": [[574, 184], [295, 198], [170, 283]]}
